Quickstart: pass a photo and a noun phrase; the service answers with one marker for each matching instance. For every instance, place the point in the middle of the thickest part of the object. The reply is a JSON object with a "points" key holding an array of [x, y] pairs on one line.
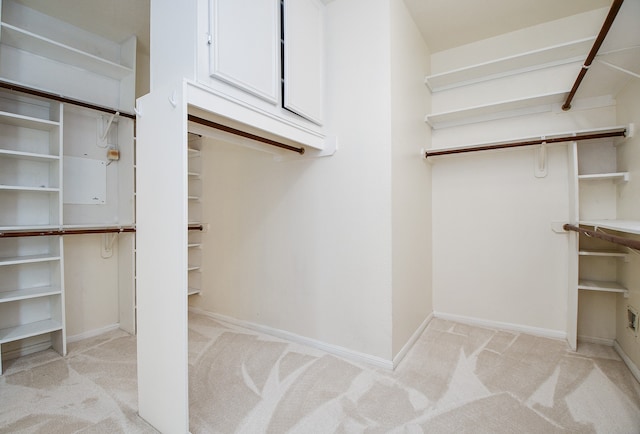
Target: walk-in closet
{"points": [[359, 177]]}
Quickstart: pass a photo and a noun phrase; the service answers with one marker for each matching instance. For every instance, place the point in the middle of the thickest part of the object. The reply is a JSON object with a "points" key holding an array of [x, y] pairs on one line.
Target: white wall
{"points": [[91, 285], [410, 177], [629, 209], [304, 246]]}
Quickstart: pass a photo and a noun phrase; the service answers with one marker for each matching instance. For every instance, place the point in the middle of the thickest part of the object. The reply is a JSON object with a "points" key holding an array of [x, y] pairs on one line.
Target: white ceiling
{"points": [[443, 23], [446, 24]]}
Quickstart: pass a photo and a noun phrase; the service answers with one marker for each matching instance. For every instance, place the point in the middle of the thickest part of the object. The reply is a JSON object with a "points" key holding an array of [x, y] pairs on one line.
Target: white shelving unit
{"points": [[62, 59], [194, 246], [31, 269], [55, 173], [595, 184]]}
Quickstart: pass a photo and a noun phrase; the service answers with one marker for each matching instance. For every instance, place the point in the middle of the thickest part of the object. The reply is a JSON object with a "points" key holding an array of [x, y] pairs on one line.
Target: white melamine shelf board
{"points": [[34, 189], [603, 253], [44, 47], [28, 259], [194, 198], [596, 285], [26, 293], [193, 267], [498, 110], [629, 226], [193, 153], [193, 291], [6, 153], [194, 174], [29, 228], [28, 330], [193, 245], [617, 176], [28, 122], [194, 223], [98, 226], [551, 135], [560, 54]]}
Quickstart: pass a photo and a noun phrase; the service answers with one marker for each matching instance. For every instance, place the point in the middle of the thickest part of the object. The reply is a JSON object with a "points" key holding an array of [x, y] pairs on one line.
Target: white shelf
{"points": [[44, 47], [617, 176], [193, 267], [25, 188], [596, 285], [628, 226], [5, 153], [28, 330], [194, 174], [27, 122], [194, 197], [193, 245], [568, 52], [193, 291], [29, 228], [26, 293], [193, 153], [550, 135], [498, 110], [603, 253], [28, 259]]}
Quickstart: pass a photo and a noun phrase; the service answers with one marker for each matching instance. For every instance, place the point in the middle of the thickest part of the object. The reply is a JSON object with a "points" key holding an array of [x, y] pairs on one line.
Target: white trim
{"points": [[92, 333], [292, 337], [26, 350], [537, 331], [412, 340], [593, 340], [627, 361]]}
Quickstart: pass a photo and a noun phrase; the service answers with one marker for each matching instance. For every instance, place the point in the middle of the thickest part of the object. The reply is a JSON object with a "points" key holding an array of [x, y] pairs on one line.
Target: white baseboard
{"points": [[536, 331], [599, 341], [92, 333], [412, 340], [26, 350], [356, 356], [627, 361]]}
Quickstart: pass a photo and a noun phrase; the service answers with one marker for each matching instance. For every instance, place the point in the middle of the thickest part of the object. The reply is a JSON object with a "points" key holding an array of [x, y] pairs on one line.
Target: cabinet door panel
{"points": [[245, 43], [304, 58]]}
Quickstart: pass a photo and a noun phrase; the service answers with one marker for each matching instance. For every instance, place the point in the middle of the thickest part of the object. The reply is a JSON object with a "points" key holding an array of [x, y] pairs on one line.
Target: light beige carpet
{"points": [[457, 379]]}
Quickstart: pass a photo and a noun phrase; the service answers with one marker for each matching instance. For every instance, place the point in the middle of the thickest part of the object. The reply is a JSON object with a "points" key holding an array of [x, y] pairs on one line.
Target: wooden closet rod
{"points": [[15, 234], [195, 228], [244, 134], [627, 242], [588, 136], [606, 26], [60, 98]]}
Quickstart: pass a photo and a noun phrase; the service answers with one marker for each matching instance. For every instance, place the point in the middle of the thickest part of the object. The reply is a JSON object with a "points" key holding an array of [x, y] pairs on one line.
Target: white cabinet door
{"points": [[304, 58], [245, 44]]}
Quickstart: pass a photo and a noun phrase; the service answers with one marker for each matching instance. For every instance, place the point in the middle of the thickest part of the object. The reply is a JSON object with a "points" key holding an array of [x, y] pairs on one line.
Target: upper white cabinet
{"points": [[42, 52], [262, 64], [303, 43], [244, 45]]}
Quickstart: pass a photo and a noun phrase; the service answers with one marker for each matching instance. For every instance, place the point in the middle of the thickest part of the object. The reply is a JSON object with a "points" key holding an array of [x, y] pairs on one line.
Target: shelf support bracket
{"points": [[541, 160]]}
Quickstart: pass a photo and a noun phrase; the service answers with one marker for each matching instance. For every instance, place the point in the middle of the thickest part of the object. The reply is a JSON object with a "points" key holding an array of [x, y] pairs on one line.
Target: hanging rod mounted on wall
{"points": [[234, 131], [195, 228], [568, 138], [606, 26], [48, 233], [627, 242], [63, 99]]}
